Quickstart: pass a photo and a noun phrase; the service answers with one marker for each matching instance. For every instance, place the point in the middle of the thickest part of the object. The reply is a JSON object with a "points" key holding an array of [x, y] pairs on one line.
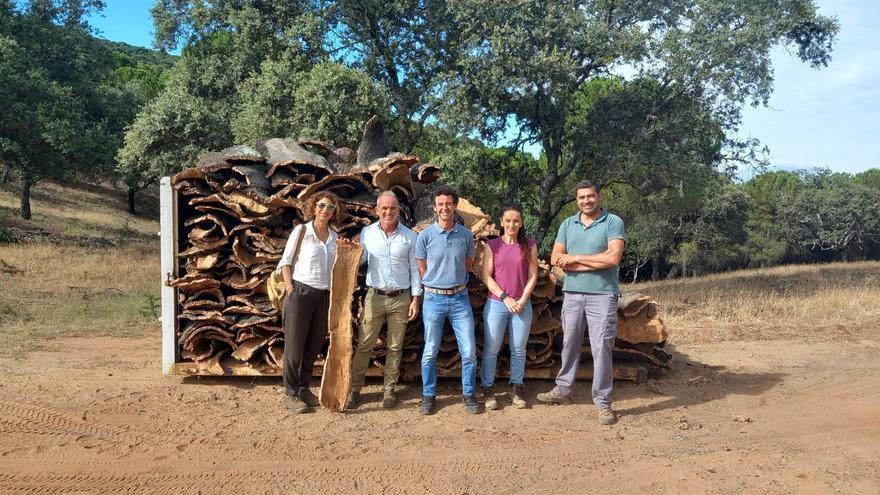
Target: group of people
{"points": [[409, 273]]}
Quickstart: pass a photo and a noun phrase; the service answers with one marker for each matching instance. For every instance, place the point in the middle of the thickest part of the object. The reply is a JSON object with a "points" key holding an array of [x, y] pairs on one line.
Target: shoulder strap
{"points": [[299, 242]]}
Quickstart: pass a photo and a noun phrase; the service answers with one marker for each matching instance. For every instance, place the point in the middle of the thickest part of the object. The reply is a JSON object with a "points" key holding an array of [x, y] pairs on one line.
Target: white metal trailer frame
{"points": [[168, 234]]}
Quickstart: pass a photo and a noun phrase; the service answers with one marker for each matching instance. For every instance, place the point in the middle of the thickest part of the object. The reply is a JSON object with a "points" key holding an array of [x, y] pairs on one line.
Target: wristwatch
{"points": [[503, 296]]}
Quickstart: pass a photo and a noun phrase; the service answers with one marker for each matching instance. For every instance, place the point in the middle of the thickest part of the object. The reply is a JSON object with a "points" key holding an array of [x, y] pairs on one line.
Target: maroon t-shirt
{"points": [[509, 268]]}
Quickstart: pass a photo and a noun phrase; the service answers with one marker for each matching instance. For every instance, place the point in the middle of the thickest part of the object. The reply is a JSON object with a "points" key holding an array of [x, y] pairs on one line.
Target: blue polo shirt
{"points": [[591, 239], [445, 251]]}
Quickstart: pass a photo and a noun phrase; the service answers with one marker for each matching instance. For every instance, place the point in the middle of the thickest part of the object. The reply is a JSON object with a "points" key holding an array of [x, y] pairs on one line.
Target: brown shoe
{"points": [[295, 405], [308, 397], [389, 400], [354, 400], [518, 396], [552, 397]]}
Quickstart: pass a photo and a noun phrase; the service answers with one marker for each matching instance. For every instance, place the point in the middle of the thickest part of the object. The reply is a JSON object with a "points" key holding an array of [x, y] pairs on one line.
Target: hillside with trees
{"points": [[67, 97]]}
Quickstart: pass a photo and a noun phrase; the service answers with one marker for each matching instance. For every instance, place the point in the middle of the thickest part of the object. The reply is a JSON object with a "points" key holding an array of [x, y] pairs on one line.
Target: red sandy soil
{"points": [[95, 415]]}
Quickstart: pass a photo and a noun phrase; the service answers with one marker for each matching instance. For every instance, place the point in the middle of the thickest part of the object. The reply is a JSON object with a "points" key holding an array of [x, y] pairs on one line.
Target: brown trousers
{"points": [[304, 317], [379, 309]]}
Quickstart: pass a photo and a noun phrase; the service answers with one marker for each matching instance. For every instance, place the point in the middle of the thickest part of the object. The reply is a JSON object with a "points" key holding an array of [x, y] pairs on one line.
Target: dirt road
{"points": [[94, 415]]}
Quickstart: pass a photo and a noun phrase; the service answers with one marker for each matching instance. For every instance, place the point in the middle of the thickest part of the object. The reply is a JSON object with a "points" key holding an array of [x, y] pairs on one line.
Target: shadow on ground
{"points": [[687, 382]]}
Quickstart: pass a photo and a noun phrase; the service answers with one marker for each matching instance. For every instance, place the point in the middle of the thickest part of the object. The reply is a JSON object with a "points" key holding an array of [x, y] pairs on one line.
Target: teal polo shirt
{"points": [[591, 239]]}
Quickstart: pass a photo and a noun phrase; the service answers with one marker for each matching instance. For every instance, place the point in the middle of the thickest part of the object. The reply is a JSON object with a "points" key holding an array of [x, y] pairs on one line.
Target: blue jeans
{"points": [[496, 319], [435, 310]]}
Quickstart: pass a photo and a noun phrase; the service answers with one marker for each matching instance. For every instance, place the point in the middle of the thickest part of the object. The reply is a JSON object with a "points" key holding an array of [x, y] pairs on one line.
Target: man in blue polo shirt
{"points": [[445, 253], [588, 247]]}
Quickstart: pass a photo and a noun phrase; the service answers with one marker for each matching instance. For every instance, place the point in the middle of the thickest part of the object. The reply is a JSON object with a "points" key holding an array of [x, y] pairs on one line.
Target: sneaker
{"points": [[354, 400], [552, 397], [389, 400], [428, 405], [518, 396], [294, 404], [491, 402], [308, 397], [607, 416], [471, 404]]}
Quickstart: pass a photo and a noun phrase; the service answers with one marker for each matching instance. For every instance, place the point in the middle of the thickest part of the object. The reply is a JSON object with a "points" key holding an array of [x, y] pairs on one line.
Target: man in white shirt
{"points": [[395, 288]]}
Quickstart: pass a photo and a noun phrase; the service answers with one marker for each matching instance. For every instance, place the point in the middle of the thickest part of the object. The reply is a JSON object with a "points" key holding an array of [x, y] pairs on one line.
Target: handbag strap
{"points": [[299, 243]]}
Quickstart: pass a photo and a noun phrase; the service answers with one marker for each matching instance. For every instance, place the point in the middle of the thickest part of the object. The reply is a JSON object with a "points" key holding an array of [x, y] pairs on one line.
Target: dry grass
{"points": [[49, 291], [837, 301], [81, 210]]}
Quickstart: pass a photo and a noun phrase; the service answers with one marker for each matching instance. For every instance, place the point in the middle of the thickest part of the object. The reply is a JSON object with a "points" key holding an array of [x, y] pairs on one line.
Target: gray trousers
{"points": [[598, 313]]}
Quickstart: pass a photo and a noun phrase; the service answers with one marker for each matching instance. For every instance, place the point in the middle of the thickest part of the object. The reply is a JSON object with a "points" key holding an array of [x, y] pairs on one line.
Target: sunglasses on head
{"points": [[323, 205]]}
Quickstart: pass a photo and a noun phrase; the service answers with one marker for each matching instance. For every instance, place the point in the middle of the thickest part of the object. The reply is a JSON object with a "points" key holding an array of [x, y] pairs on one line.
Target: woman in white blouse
{"points": [[307, 300]]}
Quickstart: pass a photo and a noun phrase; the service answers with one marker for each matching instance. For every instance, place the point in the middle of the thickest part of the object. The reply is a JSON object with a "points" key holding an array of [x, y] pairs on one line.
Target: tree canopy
{"points": [[528, 61], [54, 125], [643, 96], [67, 96]]}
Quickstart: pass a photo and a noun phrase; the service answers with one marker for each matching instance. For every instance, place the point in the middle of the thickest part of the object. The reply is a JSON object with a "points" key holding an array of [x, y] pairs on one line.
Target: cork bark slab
{"points": [[336, 378]]}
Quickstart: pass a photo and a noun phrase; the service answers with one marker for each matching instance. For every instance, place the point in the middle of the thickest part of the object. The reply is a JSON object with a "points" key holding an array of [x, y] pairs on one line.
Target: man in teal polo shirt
{"points": [[588, 247]]}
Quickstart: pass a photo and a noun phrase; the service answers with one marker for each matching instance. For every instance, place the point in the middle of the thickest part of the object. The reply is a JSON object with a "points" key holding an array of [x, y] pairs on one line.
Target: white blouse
{"points": [[315, 260]]}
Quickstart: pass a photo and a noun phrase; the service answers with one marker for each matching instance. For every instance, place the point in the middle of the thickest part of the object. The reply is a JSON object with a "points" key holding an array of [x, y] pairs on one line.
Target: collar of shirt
{"points": [[310, 230], [601, 218], [456, 227]]}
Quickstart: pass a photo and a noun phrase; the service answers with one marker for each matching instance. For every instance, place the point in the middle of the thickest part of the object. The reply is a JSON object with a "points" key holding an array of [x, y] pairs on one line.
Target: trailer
{"points": [[172, 233]]}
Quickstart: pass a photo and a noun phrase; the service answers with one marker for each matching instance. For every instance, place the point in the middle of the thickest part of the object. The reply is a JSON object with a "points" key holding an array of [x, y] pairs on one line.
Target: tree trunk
{"points": [[4, 176], [131, 193], [655, 267], [26, 183], [547, 192]]}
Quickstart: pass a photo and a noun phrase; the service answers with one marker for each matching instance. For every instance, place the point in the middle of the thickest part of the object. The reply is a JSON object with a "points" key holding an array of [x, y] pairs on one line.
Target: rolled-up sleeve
{"points": [[363, 237]]}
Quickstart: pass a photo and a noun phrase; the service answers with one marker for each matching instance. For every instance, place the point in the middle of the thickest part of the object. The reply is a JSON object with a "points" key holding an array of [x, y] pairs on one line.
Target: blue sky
{"points": [[816, 118], [826, 117], [128, 21]]}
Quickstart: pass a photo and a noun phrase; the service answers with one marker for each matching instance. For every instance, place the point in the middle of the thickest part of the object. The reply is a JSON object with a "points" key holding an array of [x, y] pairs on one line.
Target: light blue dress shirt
{"points": [[391, 260]]}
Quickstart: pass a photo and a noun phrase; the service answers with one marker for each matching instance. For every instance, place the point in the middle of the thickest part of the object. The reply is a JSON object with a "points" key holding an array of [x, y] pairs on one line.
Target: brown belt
{"points": [[389, 293], [445, 292]]}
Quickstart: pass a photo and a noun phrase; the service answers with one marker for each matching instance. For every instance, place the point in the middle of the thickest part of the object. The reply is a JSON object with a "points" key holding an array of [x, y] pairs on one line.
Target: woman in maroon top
{"points": [[510, 270]]}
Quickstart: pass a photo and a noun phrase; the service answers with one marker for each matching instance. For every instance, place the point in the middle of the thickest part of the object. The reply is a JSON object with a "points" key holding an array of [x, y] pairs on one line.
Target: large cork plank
{"points": [[336, 378]]}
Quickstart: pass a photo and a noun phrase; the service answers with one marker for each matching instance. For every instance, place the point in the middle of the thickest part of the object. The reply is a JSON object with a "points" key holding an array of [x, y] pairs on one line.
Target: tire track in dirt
{"points": [[336, 477], [28, 419]]}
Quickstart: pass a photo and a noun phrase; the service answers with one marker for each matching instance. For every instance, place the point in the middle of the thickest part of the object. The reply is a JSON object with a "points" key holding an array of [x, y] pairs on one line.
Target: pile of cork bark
{"points": [[237, 208]]}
